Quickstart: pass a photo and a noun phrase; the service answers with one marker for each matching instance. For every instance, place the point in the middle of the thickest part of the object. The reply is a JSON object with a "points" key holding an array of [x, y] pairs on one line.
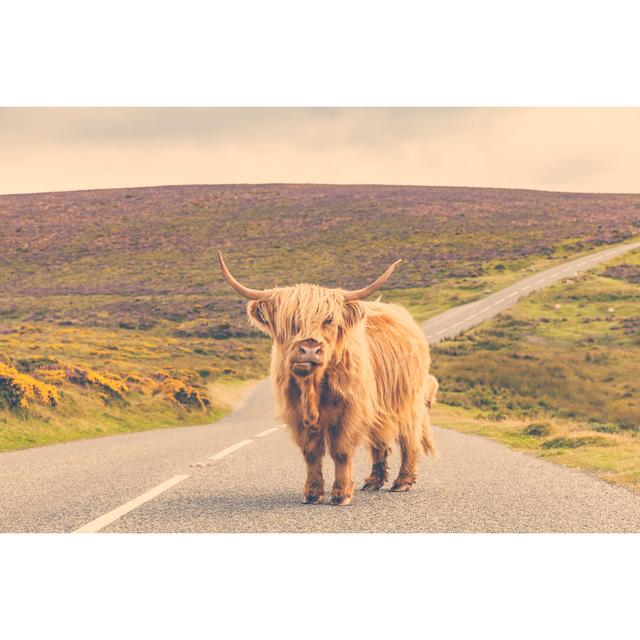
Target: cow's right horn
{"points": [[360, 294], [252, 294]]}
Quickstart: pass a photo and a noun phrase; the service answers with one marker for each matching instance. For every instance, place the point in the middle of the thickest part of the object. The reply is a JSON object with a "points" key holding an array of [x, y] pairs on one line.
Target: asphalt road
{"points": [[243, 474]]}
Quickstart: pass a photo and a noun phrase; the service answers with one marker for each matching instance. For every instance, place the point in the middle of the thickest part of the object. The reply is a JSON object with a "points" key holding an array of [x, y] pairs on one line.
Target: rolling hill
{"points": [[124, 283]]}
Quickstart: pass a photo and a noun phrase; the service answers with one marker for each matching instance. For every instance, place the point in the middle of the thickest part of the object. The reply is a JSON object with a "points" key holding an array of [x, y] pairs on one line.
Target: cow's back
{"points": [[399, 356]]}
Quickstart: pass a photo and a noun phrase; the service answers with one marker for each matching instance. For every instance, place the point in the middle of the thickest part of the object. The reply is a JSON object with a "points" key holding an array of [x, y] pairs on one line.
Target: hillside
{"points": [[141, 255], [123, 285], [558, 374]]}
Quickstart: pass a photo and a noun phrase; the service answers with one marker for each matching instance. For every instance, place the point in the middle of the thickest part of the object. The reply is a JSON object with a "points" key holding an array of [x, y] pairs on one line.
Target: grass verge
{"points": [[557, 375], [613, 457]]}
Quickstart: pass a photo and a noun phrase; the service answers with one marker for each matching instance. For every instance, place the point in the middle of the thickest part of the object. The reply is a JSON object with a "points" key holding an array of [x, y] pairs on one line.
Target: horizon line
{"points": [[317, 184]]}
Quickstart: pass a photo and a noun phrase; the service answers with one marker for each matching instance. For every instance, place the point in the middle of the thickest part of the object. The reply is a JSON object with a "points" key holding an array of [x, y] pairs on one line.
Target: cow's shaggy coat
{"points": [[346, 372]]}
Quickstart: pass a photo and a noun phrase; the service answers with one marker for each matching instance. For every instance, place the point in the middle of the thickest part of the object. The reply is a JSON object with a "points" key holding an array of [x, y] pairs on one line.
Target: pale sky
{"points": [[559, 149]]}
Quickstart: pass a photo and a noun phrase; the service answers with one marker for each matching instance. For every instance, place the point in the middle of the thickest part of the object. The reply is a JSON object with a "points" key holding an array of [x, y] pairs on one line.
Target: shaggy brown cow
{"points": [[345, 371]]}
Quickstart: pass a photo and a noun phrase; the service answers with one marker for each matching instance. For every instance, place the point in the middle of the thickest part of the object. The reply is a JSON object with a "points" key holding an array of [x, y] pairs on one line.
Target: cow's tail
{"points": [[427, 442]]}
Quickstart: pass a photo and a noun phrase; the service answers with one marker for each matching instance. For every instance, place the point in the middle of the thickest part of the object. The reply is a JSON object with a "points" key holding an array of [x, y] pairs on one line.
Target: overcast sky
{"points": [[569, 149]]}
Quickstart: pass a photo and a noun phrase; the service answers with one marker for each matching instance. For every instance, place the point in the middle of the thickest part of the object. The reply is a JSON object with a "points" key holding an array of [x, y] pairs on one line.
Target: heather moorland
{"points": [[113, 316]]}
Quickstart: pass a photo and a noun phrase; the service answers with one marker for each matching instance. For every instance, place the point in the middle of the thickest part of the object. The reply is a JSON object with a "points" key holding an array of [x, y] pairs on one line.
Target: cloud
{"points": [[571, 149]]}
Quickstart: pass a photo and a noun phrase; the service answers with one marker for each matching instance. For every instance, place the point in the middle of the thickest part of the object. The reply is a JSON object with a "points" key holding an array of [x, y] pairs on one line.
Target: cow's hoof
{"points": [[401, 486], [313, 499], [372, 484], [342, 496]]}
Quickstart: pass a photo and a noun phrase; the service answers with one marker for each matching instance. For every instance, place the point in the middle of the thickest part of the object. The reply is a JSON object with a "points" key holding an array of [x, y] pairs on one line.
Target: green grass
{"points": [[82, 414]]}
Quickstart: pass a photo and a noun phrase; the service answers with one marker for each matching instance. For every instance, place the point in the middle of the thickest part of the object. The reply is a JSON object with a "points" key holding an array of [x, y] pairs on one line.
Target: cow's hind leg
{"points": [[410, 455], [378, 474], [313, 450]]}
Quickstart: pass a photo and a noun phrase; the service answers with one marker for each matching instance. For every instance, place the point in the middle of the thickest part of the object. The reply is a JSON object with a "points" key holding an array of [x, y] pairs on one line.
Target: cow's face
{"points": [[310, 324]]}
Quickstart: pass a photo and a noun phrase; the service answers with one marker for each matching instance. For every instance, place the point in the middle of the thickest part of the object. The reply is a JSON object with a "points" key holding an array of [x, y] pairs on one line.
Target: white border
{"points": [[295, 54], [287, 53], [318, 586]]}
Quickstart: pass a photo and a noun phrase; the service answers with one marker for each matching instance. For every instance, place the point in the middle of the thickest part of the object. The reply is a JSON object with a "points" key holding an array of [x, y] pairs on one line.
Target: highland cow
{"points": [[345, 371]]}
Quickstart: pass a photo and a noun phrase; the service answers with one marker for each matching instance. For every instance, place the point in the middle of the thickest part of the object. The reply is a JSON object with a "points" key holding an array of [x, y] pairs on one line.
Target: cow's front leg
{"points": [[313, 451], [342, 455]]}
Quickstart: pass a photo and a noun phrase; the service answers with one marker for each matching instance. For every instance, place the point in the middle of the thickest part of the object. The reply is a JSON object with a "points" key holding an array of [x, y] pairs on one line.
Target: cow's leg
{"points": [[313, 451], [379, 469], [342, 454], [410, 455]]}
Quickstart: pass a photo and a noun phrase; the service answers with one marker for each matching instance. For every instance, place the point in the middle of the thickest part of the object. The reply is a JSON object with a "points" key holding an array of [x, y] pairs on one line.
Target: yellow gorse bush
{"points": [[112, 387], [19, 389], [182, 392]]}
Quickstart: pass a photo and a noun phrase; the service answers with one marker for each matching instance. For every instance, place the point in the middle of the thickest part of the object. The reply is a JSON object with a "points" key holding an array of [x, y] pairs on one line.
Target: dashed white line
{"points": [[473, 315], [515, 293], [108, 518], [485, 309], [441, 331], [457, 323], [231, 449], [525, 288], [499, 301], [262, 434]]}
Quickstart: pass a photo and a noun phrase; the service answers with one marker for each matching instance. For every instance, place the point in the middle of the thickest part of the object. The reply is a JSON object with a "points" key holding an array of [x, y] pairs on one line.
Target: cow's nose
{"points": [[311, 351]]}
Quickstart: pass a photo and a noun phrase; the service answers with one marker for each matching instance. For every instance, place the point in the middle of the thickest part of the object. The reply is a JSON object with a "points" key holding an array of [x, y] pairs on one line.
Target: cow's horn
{"points": [[374, 286], [252, 294]]}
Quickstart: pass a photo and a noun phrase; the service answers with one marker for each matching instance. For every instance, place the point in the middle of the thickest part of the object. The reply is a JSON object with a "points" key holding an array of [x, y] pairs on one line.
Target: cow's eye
{"points": [[328, 322]]}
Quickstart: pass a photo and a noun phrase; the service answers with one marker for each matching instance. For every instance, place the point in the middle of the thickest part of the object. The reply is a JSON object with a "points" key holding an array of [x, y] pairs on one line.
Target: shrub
{"points": [[182, 392], [111, 387], [574, 443], [606, 428], [537, 429], [17, 389]]}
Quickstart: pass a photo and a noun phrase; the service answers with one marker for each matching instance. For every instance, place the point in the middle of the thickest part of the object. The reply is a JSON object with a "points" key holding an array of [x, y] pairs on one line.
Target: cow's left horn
{"points": [[374, 286], [252, 294]]}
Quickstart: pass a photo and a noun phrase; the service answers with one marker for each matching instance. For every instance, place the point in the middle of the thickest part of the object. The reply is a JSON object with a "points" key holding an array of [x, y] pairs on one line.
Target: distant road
{"points": [[243, 474], [457, 320]]}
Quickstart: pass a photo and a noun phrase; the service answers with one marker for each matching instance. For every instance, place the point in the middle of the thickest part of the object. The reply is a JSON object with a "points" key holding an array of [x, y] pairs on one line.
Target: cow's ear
{"points": [[258, 313], [353, 312]]}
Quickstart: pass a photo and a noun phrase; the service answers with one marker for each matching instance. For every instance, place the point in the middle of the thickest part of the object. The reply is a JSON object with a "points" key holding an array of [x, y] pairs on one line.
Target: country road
{"points": [[243, 474]]}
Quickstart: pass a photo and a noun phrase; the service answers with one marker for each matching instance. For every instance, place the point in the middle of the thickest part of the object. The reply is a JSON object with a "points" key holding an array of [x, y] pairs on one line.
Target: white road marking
{"points": [[499, 301], [262, 434], [473, 315], [457, 323], [441, 331], [231, 449], [525, 288], [108, 518], [485, 309], [515, 293]]}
